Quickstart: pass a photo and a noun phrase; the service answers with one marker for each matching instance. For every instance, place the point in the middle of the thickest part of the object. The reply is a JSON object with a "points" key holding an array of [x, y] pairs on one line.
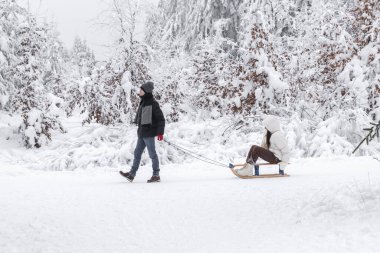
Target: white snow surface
{"points": [[329, 204]]}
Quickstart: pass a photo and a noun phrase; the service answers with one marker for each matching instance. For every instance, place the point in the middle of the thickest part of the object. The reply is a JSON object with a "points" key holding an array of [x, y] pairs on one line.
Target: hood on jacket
{"points": [[272, 124]]}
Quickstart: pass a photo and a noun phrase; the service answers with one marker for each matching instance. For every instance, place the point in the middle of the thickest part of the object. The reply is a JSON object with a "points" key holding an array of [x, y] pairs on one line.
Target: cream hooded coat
{"points": [[278, 143]]}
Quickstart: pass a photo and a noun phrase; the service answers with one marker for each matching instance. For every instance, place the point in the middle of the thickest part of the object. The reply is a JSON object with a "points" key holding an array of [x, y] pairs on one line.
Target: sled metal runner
{"points": [[232, 168]]}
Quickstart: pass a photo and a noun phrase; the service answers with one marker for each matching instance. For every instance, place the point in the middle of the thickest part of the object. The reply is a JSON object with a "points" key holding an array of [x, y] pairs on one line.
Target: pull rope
{"points": [[195, 155]]}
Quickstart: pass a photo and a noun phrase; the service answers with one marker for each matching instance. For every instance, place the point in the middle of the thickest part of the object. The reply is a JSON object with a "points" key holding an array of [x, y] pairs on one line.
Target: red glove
{"points": [[160, 137]]}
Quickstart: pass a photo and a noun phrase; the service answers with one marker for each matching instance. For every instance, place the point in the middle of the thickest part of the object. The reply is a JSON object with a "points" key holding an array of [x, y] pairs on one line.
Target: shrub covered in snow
{"points": [[37, 128]]}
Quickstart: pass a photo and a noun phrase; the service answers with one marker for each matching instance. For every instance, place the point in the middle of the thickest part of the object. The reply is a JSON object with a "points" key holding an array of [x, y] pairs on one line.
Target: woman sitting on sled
{"points": [[274, 149]]}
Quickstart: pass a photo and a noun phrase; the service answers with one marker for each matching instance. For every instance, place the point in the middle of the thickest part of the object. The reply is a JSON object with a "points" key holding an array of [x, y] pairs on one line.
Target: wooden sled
{"points": [[260, 176]]}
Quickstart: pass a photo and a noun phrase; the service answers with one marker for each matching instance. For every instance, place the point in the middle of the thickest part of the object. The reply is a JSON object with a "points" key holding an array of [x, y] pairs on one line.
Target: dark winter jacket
{"points": [[149, 117]]}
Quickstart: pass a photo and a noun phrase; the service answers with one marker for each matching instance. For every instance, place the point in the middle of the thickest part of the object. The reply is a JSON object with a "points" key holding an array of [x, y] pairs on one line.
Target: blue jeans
{"points": [[141, 144]]}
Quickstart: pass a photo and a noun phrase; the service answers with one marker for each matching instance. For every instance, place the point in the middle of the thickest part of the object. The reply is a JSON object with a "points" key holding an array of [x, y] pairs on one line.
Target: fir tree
{"points": [[58, 66], [30, 95], [82, 58], [11, 15]]}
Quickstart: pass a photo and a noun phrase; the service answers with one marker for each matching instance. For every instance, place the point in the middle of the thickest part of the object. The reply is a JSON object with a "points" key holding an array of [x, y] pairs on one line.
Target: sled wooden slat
{"points": [[262, 164], [261, 176]]}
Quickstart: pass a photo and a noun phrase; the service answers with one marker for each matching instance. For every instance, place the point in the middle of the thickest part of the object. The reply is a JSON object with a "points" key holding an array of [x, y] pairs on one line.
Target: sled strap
{"points": [[195, 155]]}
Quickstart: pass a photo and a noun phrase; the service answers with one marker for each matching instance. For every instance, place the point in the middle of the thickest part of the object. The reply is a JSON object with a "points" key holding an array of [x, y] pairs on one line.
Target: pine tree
{"points": [[78, 67], [11, 15], [58, 66], [82, 58], [75, 95], [99, 97], [3, 65], [30, 68], [30, 96]]}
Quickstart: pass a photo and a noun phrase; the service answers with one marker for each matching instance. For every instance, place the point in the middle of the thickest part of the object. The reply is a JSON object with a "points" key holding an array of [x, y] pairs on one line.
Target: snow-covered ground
{"points": [[327, 205]]}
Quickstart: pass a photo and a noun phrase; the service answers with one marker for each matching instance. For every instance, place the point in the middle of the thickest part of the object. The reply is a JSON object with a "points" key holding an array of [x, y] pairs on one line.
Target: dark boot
{"points": [[281, 172], [127, 175], [154, 179]]}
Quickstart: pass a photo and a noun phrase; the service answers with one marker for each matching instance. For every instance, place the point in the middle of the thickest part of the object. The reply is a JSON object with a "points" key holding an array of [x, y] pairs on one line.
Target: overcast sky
{"points": [[76, 17]]}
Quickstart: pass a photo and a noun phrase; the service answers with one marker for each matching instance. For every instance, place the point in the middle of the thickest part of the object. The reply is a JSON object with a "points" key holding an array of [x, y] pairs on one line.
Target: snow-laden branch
{"points": [[373, 132]]}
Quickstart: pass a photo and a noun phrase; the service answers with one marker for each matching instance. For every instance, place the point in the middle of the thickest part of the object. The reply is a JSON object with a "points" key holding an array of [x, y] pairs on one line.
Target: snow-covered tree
{"points": [[316, 60], [80, 64], [217, 88], [30, 68], [58, 65], [259, 72], [186, 23], [82, 58], [11, 15], [29, 97], [226, 73], [118, 82], [101, 106], [366, 16], [3, 66]]}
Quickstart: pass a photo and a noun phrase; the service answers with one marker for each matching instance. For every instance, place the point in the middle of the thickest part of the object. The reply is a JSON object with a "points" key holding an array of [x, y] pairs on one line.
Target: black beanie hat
{"points": [[148, 87]]}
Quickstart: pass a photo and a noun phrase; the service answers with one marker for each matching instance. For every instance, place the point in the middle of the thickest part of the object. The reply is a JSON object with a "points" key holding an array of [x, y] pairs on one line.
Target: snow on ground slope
{"points": [[97, 146], [327, 205]]}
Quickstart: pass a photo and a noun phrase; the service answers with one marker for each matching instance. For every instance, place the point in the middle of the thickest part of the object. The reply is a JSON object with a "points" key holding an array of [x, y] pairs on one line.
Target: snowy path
{"points": [[327, 205]]}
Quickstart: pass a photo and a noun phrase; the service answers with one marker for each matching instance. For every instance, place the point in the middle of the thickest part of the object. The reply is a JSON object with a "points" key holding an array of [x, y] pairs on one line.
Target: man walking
{"points": [[151, 123]]}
